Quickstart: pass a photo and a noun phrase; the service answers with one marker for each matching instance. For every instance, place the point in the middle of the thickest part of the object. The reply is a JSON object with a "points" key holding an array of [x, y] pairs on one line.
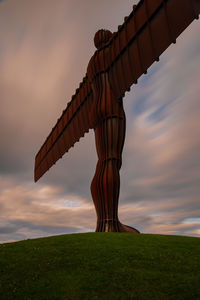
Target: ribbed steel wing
{"points": [[70, 127]]}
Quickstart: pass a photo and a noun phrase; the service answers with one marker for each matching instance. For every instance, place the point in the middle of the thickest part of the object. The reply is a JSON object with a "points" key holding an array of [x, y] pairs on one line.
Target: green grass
{"points": [[101, 266]]}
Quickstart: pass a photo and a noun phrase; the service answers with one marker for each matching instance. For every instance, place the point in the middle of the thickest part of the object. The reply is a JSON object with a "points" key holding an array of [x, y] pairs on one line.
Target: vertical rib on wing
{"points": [[144, 36], [70, 127]]}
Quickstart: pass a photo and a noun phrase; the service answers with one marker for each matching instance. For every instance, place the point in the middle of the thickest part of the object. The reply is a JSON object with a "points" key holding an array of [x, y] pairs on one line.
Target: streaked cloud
{"points": [[43, 56]]}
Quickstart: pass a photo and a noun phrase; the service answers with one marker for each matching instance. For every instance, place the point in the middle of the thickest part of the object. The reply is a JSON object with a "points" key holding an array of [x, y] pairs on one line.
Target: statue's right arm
{"points": [[70, 127]]}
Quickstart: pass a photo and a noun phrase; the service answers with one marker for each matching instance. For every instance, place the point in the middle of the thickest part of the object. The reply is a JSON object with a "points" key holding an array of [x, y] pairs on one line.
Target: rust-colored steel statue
{"points": [[121, 58]]}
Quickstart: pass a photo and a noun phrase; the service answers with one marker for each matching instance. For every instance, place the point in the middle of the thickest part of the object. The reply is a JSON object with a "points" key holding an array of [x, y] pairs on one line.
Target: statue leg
{"points": [[109, 136]]}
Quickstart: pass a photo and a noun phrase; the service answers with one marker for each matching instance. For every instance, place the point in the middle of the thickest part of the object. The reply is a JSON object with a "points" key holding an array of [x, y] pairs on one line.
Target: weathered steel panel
{"points": [[146, 48], [179, 20]]}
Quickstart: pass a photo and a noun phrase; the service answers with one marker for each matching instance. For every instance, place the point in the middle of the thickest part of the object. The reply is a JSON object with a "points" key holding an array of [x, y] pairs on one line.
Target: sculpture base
{"points": [[129, 229], [114, 226]]}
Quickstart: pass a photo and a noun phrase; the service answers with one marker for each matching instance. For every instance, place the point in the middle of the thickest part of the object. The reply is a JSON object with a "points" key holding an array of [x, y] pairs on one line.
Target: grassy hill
{"points": [[101, 266]]}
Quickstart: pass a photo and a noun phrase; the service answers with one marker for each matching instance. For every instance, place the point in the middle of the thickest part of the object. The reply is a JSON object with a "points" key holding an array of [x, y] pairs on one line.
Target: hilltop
{"points": [[101, 266]]}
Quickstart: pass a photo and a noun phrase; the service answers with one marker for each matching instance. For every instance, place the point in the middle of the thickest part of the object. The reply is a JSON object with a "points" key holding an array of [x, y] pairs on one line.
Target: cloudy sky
{"points": [[45, 47]]}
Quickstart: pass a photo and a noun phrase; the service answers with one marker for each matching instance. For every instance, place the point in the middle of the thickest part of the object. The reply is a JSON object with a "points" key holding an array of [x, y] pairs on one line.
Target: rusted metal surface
{"points": [[144, 36], [121, 58], [70, 127]]}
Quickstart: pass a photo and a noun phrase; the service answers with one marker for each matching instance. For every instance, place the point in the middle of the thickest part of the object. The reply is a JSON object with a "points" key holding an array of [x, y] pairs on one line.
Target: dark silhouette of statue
{"points": [[120, 59], [107, 117]]}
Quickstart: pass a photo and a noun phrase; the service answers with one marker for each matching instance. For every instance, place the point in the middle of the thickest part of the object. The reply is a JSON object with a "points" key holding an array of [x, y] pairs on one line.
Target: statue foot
{"points": [[114, 226], [128, 229]]}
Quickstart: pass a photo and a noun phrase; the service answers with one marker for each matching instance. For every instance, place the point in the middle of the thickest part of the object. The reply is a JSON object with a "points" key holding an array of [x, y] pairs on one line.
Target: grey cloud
{"points": [[18, 224], [7, 229], [20, 230], [12, 237]]}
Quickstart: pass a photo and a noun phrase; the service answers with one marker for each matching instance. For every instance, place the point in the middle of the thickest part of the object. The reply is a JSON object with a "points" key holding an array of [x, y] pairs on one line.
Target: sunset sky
{"points": [[45, 47]]}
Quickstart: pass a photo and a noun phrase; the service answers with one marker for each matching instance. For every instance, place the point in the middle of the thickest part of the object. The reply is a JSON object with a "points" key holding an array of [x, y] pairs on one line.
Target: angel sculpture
{"points": [[120, 59]]}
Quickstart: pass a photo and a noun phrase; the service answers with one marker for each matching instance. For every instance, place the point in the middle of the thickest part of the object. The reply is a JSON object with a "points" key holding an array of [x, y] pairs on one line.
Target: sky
{"points": [[44, 51]]}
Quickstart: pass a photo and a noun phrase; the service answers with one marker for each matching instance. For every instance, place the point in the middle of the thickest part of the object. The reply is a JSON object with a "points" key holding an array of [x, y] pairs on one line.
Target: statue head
{"points": [[101, 37]]}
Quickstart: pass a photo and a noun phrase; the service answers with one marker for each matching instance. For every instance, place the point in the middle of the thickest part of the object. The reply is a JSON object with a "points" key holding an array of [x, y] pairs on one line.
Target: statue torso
{"points": [[105, 104]]}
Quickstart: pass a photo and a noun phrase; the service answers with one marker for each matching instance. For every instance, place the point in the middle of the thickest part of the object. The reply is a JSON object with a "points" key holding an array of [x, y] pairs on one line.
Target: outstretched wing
{"points": [[144, 36], [70, 127]]}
